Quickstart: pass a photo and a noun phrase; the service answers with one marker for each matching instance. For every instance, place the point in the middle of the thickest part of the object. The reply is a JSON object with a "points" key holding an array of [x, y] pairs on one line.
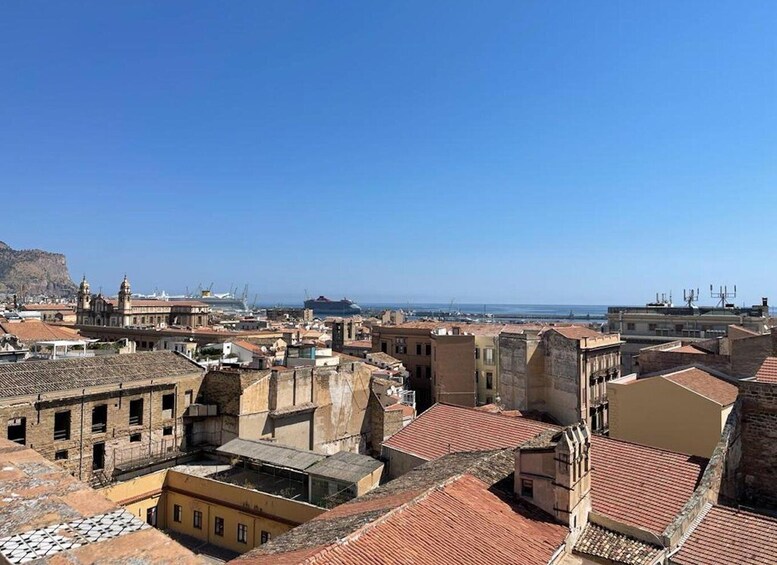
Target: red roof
{"points": [[444, 428], [768, 371], [728, 535], [462, 522], [640, 485], [635, 484], [705, 384], [689, 349], [35, 330], [576, 332]]}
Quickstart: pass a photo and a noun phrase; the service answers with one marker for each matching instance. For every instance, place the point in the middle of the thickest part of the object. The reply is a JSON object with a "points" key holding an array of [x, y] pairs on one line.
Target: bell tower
{"points": [[125, 296], [83, 302]]}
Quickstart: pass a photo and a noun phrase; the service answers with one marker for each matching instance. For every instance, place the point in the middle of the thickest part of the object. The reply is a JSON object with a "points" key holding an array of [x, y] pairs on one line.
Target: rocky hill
{"points": [[33, 272]]}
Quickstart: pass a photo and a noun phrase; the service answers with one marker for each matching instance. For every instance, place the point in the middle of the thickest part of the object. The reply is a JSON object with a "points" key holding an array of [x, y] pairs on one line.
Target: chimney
{"points": [[553, 473], [456, 330], [764, 301]]}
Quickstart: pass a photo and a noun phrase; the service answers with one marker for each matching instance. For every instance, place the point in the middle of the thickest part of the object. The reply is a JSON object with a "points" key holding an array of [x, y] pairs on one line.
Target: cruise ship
{"points": [[323, 306]]}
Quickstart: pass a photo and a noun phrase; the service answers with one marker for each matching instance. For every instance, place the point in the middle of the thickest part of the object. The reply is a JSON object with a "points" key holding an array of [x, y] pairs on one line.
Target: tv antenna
{"points": [[690, 296], [723, 295]]}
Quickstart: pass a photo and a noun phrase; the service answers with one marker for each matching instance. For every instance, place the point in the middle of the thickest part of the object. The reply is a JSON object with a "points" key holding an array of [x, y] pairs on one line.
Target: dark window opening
{"points": [[384, 347], [60, 455], [62, 425], [418, 349], [134, 438], [98, 456], [197, 519], [428, 348], [99, 419], [17, 430], [527, 488], [167, 431], [265, 537], [177, 513], [218, 527], [489, 381], [242, 533], [136, 412], [168, 401]]}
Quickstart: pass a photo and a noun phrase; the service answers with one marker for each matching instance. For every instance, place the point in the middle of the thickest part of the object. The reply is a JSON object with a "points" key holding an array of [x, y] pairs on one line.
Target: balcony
{"points": [[201, 410]]}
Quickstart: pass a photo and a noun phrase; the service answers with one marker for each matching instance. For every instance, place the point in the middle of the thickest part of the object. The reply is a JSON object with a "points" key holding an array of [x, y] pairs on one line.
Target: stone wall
{"points": [[656, 360], [748, 354], [757, 475]]}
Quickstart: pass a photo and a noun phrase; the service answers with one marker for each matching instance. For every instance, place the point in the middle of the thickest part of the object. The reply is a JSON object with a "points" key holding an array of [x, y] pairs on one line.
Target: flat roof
{"points": [[270, 453]]}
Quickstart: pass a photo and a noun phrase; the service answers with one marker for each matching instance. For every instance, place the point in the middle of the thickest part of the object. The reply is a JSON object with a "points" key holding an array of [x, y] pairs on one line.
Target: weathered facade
{"points": [[324, 409], [95, 415]]}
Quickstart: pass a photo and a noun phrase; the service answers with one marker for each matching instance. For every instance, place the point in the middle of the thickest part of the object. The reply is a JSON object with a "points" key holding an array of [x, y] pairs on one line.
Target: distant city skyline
{"points": [[549, 153]]}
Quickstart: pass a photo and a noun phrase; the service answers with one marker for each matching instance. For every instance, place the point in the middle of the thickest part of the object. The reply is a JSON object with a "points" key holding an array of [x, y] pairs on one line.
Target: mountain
{"points": [[33, 272]]}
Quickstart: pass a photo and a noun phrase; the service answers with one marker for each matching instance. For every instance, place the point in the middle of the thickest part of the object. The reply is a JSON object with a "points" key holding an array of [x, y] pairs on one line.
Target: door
{"points": [[98, 456]]}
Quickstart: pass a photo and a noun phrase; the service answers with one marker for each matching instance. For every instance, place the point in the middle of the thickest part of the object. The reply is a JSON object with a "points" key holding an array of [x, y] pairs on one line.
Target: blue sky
{"points": [[524, 152]]}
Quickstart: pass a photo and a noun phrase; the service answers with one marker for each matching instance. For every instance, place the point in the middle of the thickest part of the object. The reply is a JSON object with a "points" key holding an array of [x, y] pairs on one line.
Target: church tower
{"points": [[83, 302], [125, 297]]}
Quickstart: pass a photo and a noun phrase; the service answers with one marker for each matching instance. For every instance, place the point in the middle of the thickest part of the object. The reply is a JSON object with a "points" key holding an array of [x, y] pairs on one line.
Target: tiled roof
{"points": [[252, 347], [635, 484], [576, 332], [50, 517], [689, 349], [35, 330], [768, 371], [705, 384], [614, 547], [33, 377], [42, 307], [728, 535], [425, 517], [445, 429], [640, 485]]}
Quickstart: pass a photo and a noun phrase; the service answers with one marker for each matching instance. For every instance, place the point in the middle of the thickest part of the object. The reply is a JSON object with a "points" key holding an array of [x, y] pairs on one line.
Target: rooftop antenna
{"points": [[723, 295], [690, 296]]}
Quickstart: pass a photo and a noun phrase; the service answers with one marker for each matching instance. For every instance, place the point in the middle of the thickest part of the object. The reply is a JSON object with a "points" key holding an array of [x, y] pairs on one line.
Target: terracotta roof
{"points": [[444, 428], [625, 480], [705, 384], [689, 349], [614, 547], [728, 535], [640, 485], [34, 377], [447, 511], [768, 371], [252, 347], [55, 307], [49, 510], [35, 330], [576, 332]]}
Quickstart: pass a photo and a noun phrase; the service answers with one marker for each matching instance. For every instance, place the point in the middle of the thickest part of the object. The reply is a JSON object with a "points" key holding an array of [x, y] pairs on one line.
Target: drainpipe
{"points": [[81, 440]]}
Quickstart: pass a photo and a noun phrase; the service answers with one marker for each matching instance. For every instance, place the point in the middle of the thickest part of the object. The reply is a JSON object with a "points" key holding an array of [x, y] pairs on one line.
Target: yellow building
{"points": [[213, 511], [680, 410]]}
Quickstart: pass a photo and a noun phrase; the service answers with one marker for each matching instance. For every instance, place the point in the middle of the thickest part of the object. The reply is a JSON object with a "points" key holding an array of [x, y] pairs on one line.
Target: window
{"points": [[477, 377], [400, 346], [218, 526], [489, 380], [489, 399], [188, 397], [488, 355], [652, 327], [527, 488], [428, 372], [678, 328], [384, 347], [197, 519], [168, 402], [99, 419], [62, 425], [418, 349], [477, 353], [134, 438], [265, 537], [242, 533], [17, 430], [60, 455], [630, 326], [136, 412], [177, 513], [428, 349], [167, 431]]}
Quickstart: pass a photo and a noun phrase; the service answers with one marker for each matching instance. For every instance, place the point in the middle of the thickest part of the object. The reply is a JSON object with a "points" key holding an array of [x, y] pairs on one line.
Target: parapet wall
{"points": [[757, 476]]}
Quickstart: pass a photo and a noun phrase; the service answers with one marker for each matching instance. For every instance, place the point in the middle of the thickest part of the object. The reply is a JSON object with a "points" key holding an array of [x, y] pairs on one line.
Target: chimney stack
{"points": [[553, 473]]}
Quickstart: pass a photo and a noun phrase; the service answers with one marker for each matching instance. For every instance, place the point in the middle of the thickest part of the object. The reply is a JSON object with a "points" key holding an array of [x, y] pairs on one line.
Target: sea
{"points": [[498, 311]]}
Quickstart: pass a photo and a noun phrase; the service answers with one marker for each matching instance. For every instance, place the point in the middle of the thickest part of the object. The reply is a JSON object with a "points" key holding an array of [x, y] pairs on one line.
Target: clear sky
{"points": [[523, 152]]}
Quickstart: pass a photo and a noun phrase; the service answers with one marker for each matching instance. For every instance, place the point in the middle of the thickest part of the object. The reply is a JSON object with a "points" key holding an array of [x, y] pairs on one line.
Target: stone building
{"points": [[97, 415], [561, 371], [124, 311]]}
